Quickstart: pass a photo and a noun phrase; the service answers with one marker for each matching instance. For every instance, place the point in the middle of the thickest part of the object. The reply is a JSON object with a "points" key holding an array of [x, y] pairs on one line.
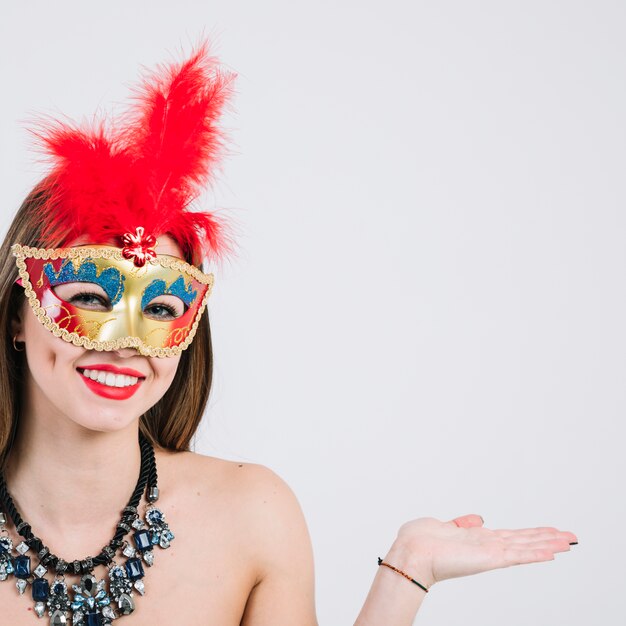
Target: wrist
{"points": [[414, 560]]}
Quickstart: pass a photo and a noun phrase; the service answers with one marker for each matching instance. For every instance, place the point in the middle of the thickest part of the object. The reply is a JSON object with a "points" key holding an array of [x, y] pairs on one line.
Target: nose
{"points": [[126, 353]]}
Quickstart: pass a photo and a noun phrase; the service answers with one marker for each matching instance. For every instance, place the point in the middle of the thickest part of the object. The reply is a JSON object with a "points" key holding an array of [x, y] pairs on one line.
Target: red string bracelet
{"points": [[395, 569]]}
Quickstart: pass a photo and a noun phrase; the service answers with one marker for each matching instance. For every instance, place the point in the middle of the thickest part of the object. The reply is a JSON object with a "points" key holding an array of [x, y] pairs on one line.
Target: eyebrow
{"points": [[110, 278], [178, 288]]}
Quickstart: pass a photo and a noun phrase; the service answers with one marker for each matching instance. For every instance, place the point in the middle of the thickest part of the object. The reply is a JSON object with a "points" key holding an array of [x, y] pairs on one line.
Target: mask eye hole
{"points": [[165, 308], [87, 296]]}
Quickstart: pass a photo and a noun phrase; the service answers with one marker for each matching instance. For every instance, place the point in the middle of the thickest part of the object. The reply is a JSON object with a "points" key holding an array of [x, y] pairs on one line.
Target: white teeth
{"points": [[110, 379]]}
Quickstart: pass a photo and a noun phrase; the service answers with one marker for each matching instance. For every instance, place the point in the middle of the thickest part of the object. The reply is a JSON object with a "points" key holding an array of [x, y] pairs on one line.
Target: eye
{"points": [[88, 296], [165, 308]]}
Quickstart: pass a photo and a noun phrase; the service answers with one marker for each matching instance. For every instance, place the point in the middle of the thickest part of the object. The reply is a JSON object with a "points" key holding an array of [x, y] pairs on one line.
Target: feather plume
{"points": [[147, 169]]}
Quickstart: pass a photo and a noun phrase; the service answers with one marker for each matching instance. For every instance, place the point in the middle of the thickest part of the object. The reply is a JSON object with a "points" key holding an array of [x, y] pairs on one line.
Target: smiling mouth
{"points": [[109, 379]]}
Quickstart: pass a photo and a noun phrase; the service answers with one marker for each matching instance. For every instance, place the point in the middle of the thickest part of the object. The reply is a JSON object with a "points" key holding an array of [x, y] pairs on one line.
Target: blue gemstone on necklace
{"points": [[94, 619], [154, 517], [142, 540], [79, 601], [41, 589], [134, 569], [58, 589], [22, 566]]}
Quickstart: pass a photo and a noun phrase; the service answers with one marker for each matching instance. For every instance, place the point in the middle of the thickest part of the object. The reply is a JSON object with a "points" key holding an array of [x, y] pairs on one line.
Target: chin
{"points": [[104, 421]]}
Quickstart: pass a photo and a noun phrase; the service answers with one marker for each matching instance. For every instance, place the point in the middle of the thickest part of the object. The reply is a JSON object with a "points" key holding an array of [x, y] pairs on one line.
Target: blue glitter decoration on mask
{"points": [[178, 288], [110, 278]]}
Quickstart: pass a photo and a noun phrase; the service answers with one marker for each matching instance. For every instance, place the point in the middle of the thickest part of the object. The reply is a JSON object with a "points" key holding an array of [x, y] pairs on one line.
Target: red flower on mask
{"points": [[138, 247]]}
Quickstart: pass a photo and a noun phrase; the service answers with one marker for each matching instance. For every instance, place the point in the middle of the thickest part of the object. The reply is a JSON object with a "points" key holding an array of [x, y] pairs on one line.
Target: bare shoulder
{"points": [[254, 535], [249, 498], [256, 484]]}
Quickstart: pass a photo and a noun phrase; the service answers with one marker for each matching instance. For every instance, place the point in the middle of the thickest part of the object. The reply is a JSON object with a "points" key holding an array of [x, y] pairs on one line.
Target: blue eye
{"points": [[90, 299], [160, 312], [85, 296]]}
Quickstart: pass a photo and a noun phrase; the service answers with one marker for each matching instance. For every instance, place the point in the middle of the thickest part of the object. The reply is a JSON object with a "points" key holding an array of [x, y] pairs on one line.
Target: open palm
{"points": [[463, 546]]}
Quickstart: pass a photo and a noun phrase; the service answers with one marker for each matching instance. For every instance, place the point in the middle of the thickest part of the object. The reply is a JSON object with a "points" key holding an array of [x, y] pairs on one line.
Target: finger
{"points": [[539, 536], [520, 557], [506, 532], [555, 545], [467, 521], [535, 534]]}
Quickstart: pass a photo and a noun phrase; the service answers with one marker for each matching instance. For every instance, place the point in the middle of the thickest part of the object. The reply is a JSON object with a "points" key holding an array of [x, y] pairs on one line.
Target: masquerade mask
{"points": [[92, 296]]}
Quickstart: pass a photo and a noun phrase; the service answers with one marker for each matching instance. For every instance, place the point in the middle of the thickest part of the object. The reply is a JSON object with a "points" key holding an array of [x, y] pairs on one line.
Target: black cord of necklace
{"points": [[147, 479]]}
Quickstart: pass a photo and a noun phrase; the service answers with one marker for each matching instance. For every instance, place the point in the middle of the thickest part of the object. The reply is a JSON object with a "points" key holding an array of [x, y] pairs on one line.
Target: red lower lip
{"points": [[113, 393]]}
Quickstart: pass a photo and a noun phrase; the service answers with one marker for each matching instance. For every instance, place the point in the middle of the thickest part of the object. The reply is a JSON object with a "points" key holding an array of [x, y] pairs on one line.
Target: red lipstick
{"points": [[107, 367], [112, 393]]}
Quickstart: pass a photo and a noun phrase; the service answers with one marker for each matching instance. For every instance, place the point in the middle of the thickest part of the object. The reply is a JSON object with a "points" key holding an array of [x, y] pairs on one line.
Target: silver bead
{"points": [[109, 552], [21, 527], [125, 604], [128, 551], [109, 613], [153, 494], [40, 570], [40, 609], [58, 619]]}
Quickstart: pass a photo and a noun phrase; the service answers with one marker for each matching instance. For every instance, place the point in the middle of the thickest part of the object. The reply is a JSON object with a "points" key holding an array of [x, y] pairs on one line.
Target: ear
{"points": [[17, 323]]}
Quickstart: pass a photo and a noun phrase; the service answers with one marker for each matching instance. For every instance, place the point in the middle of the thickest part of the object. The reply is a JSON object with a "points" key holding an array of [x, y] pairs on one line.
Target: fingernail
{"points": [[573, 543]]}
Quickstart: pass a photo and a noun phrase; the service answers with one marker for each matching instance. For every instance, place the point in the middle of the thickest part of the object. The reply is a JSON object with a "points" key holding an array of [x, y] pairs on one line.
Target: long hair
{"points": [[170, 423]]}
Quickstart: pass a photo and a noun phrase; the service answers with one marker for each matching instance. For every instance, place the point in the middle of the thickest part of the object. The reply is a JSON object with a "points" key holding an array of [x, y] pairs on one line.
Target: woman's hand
{"points": [[429, 551], [438, 550]]}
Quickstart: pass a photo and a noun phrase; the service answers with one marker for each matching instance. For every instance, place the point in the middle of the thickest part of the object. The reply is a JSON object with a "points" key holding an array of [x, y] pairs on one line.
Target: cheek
{"points": [[43, 347], [41, 344], [165, 369], [49, 360]]}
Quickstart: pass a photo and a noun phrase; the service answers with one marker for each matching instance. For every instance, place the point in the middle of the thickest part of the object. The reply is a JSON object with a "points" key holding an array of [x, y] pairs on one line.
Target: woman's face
{"points": [[101, 391]]}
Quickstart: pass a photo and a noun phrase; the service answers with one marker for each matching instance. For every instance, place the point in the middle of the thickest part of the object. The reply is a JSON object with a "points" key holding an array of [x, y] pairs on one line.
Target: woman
{"points": [[107, 342]]}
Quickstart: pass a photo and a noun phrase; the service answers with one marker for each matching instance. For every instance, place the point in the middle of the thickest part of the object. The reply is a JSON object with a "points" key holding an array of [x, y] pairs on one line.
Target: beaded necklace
{"points": [[92, 602]]}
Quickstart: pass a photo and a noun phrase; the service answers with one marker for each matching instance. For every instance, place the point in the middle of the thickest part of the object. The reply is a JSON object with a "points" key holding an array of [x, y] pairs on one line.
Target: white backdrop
{"points": [[426, 316]]}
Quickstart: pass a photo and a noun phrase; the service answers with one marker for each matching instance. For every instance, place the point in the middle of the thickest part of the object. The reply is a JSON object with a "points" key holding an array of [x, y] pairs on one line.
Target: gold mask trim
{"points": [[22, 253]]}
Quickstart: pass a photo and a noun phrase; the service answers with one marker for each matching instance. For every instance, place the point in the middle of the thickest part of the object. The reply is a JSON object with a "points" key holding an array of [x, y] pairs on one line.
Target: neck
{"points": [[70, 483]]}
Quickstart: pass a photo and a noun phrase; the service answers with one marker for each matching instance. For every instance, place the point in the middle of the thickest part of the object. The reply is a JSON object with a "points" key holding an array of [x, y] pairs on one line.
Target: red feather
{"points": [[147, 170]]}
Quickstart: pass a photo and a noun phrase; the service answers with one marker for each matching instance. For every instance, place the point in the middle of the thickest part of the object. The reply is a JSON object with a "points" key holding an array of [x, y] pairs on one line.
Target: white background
{"points": [[426, 315]]}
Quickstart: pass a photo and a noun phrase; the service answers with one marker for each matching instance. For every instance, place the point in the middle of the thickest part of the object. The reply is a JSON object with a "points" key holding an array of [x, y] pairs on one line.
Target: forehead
{"points": [[165, 245]]}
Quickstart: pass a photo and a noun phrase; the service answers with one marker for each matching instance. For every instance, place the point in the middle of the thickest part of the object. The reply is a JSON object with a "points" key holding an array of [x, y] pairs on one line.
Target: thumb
{"points": [[467, 521]]}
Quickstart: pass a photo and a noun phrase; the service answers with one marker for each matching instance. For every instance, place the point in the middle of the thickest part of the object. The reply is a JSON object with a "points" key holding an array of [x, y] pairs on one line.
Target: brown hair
{"points": [[170, 423]]}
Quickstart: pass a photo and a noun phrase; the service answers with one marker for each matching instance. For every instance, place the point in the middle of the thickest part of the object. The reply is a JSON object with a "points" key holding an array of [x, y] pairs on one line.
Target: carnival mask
{"points": [[92, 296]]}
